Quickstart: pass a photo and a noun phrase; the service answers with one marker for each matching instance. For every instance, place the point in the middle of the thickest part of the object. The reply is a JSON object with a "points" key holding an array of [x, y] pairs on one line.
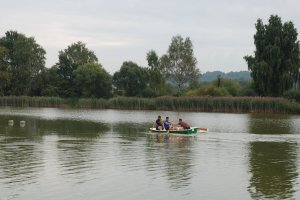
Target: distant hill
{"points": [[211, 76]]}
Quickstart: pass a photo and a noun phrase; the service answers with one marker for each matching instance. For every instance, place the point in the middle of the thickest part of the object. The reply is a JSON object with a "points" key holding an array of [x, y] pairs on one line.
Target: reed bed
{"points": [[229, 104], [25, 101], [132, 103], [92, 103], [196, 104]]}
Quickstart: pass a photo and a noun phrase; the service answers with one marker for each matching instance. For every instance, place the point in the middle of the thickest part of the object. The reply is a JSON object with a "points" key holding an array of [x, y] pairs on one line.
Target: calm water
{"points": [[109, 154]]}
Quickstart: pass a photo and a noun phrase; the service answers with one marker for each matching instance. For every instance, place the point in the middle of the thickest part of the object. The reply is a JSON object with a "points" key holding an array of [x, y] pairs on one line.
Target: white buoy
{"points": [[22, 123], [10, 122]]}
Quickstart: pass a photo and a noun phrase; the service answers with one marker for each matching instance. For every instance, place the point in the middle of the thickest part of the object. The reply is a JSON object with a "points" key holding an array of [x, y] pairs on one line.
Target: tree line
{"points": [[78, 73], [274, 68]]}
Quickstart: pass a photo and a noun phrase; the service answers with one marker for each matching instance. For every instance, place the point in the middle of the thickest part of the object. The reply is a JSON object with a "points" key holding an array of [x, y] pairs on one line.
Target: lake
{"points": [[109, 154]]}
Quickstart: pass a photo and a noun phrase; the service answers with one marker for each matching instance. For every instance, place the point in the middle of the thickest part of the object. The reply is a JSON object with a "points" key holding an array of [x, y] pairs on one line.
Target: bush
{"points": [[208, 90], [292, 94], [148, 92], [50, 91], [233, 87]]}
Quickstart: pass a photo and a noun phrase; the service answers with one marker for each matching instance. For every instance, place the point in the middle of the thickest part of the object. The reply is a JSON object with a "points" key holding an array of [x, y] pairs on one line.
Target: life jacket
{"points": [[167, 124], [159, 122]]}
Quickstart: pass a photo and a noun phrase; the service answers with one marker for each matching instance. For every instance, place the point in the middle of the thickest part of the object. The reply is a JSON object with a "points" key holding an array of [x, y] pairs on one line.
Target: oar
{"points": [[203, 130]]}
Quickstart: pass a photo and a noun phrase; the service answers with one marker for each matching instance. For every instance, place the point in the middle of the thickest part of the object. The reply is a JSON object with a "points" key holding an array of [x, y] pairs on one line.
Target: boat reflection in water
{"points": [[170, 138]]}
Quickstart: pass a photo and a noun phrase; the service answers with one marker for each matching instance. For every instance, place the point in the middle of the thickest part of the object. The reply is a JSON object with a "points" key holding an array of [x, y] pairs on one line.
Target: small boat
{"points": [[192, 130]]}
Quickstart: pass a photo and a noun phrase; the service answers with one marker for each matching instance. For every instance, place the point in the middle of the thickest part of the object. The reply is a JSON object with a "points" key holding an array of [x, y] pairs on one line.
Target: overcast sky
{"points": [[122, 30]]}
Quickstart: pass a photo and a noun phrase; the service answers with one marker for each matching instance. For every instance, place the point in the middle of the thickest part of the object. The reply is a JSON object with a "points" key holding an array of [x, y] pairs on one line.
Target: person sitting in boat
{"points": [[167, 124], [158, 124], [182, 124]]}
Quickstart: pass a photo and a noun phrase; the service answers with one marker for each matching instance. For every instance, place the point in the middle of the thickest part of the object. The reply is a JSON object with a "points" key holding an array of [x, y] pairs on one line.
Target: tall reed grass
{"points": [[197, 104], [25, 101], [229, 104], [132, 103]]}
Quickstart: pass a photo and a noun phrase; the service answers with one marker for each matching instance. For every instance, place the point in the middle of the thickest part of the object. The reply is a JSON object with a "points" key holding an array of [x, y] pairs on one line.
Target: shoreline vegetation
{"points": [[196, 104]]}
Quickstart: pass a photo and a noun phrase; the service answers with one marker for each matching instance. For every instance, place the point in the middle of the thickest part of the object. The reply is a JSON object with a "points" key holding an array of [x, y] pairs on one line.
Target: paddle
{"points": [[202, 130]]}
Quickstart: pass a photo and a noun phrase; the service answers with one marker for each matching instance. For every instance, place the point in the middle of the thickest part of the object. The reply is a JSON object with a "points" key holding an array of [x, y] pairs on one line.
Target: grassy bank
{"points": [[198, 104]]}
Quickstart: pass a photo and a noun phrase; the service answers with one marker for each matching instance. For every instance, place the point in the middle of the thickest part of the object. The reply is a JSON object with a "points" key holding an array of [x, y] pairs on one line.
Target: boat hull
{"points": [[192, 130]]}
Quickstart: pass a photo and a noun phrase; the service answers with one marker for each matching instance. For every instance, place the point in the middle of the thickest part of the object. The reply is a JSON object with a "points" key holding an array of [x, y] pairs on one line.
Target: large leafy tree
{"points": [[70, 59], [276, 61], [24, 60], [4, 74], [52, 82], [131, 78], [179, 64], [93, 81], [156, 79]]}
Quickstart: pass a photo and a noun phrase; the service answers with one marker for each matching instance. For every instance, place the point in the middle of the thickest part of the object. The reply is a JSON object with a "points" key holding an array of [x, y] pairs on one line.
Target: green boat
{"points": [[192, 130]]}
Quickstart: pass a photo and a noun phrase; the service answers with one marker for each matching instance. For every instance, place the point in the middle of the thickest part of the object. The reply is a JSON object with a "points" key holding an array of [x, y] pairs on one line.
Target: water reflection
{"points": [[20, 163], [272, 165], [76, 146], [130, 131], [73, 153], [173, 154], [24, 154], [183, 140], [273, 168], [72, 128], [20, 153], [127, 146], [76, 158], [16, 133], [270, 124]]}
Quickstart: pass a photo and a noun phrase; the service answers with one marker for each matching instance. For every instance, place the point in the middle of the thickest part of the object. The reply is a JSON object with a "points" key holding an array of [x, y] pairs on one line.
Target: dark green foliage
{"points": [[52, 82], [293, 94], [38, 83], [131, 78], [50, 91], [232, 86], [208, 90], [22, 59], [4, 73], [69, 60], [156, 79], [92, 80], [219, 87], [276, 61]]}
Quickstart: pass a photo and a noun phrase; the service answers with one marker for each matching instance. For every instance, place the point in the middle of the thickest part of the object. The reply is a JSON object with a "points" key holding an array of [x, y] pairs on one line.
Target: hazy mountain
{"points": [[211, 76]]}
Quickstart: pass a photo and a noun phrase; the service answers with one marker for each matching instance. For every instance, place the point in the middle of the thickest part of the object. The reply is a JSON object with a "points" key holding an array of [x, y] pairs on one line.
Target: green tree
{"points": [[232, 86], [156, 79], [276, 61], [4, 74], [179, 64], [93, 81], [52, 82], [131, 78], [69, 60], [38, 83], [25, 60]]}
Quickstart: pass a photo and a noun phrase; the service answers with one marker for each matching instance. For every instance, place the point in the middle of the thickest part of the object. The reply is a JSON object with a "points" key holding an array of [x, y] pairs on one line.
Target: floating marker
{"points": [[10, 122], [22, 123]]}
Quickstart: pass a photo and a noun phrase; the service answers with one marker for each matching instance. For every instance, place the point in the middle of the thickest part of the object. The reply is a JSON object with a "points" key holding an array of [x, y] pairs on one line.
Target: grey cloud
{"points": [[119, 30]]}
